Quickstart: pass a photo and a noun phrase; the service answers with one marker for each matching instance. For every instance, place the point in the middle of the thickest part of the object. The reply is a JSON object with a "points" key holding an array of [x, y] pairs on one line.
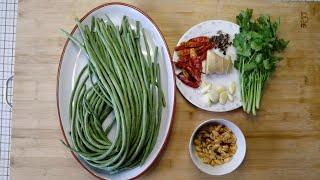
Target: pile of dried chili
{"points": [[191, 54]]}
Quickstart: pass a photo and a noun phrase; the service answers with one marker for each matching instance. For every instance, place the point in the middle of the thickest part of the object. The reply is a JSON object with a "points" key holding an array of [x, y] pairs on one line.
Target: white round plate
{"points": [[193, 95], [235, 161], [72, 60]]}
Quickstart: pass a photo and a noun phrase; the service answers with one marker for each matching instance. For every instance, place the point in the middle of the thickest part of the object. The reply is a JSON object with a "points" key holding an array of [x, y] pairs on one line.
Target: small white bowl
{"points": [[226, 167]]}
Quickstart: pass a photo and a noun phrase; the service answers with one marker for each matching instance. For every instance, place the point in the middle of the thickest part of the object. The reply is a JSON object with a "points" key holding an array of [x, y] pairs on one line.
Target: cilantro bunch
{"points": [[256, 45]]}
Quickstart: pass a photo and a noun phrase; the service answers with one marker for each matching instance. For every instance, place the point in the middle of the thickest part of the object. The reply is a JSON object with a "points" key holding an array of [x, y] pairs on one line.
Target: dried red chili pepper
{"points": [[205, 48], [184, 52], [199, 39], [187, 81], [203, 56], [193, 73], [182, 63], [186, 45]]}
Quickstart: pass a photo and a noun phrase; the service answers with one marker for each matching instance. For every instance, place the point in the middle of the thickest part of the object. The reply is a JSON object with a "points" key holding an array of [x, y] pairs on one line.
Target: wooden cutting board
{"points": [[283, 140]]}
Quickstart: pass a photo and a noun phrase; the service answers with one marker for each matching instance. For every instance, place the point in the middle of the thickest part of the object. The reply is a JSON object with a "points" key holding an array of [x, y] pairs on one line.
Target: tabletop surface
{"points": [[283, 140]]}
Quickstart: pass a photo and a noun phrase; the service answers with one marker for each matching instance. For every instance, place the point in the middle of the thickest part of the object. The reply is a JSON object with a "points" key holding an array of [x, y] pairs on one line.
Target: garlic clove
{"points": [[206, 99], [214, 96], [230, 97], [232, 88], [205, 89], [223, 97], [219, 89]]}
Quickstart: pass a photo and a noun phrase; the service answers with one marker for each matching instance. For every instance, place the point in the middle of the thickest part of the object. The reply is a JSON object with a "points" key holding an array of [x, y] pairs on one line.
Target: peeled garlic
{"points": [[214, 96], [220, 89], [230, 97], [232, 88], [206, 99], [223, 97], [205, 89]]}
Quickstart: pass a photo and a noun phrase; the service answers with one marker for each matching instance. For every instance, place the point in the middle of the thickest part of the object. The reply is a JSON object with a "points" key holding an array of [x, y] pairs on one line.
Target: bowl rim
{"points": [[162, 148], [217, 121]]}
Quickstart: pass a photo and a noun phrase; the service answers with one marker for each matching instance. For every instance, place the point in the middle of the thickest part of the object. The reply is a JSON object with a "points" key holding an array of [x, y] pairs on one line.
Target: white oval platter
{"points": [[72, 60]]}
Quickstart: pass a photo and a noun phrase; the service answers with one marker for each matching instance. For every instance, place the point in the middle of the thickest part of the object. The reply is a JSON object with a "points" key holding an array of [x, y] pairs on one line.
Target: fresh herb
{"points": [[256, 45]]}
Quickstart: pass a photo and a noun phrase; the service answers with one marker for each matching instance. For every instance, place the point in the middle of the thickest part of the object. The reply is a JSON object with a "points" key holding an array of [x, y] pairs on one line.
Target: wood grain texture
{"points": [[283, 140]]}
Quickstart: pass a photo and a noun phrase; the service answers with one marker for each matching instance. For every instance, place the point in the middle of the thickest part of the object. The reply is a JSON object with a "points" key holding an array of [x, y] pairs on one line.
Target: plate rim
{"points": [[185, 96], [174, 84]]}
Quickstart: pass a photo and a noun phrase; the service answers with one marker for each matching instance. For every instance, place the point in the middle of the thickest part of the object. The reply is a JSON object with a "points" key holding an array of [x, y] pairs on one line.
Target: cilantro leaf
{"points": [[256, 45]]}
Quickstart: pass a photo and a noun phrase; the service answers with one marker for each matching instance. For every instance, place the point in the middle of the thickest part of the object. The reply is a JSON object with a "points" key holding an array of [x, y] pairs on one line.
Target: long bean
{"points": [[120, 79]]}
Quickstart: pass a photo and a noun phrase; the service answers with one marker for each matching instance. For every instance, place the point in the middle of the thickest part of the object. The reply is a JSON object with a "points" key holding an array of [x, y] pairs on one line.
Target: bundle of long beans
{"points": [[120, 79]]}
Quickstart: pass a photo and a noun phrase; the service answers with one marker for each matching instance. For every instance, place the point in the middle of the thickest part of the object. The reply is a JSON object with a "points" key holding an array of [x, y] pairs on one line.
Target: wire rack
{"points": [[8, 20]]}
